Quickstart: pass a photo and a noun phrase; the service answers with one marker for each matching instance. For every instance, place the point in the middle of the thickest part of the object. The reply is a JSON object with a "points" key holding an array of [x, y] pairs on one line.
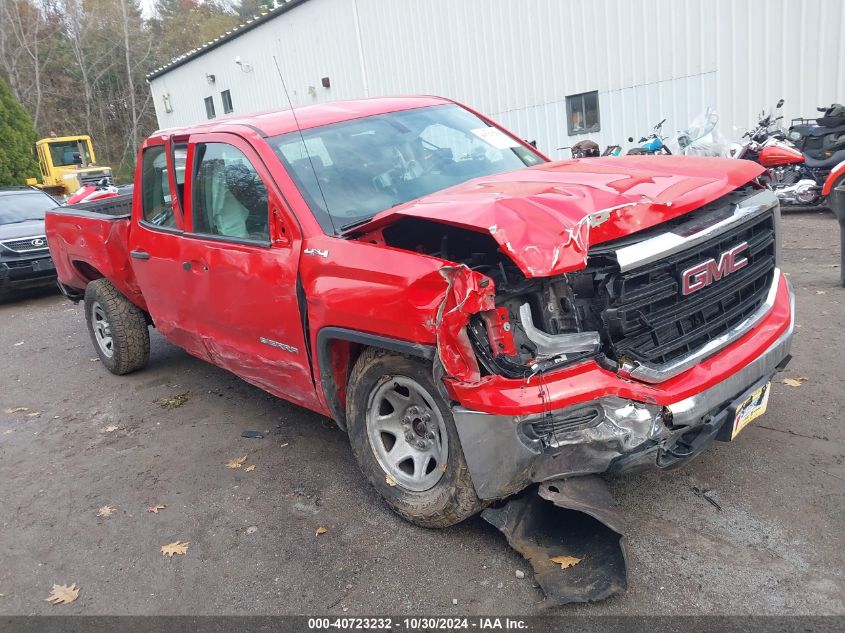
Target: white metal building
{"points": [[526, 63]]}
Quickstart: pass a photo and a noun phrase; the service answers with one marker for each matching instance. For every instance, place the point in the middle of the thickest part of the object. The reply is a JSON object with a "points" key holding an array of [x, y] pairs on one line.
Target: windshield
{"points": [[67, 153], [20, 207], [347, 172]]}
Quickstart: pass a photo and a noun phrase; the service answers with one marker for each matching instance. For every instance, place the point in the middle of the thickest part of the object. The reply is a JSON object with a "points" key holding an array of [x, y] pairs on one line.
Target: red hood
{"points": [[546, 217]]}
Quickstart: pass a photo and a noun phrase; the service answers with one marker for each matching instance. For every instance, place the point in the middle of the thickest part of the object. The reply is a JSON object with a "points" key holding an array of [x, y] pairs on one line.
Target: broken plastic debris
{"points": [[258, 435], [565, 520]]}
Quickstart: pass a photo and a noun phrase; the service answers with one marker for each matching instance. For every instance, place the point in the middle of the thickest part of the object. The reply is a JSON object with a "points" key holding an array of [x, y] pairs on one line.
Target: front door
{"points": [[240, 255]]}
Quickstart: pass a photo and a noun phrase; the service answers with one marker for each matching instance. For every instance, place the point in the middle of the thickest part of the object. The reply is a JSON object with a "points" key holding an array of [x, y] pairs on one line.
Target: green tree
{"points": [[17, 162]]}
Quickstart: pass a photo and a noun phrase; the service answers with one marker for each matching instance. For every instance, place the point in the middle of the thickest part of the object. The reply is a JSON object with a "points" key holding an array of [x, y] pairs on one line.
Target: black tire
{"points": [[452, 499], [126, 324]]}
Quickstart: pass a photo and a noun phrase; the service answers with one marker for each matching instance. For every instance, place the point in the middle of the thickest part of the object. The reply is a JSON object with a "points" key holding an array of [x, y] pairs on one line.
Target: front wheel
{"points": [[405, 441], [117, 327]]}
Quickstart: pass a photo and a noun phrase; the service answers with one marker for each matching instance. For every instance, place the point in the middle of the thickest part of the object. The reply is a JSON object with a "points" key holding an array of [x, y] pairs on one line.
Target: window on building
{"points": [[582, 113], [226, 96], [209, 107], [228, 197]]}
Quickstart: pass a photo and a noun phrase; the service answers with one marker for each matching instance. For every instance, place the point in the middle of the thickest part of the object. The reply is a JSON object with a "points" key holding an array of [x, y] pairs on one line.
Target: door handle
{"points": [[139, 254]]}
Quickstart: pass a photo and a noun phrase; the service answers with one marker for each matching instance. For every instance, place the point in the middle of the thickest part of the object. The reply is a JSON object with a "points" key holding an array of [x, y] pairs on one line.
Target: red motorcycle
{"points": [[788, 174]]}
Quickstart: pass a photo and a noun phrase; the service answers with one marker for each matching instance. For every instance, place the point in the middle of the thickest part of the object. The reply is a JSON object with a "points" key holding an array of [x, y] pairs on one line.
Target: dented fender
{"points": [[467, 293]]}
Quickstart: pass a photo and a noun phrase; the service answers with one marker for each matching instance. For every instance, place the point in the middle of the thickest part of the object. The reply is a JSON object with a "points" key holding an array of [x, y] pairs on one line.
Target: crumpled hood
{"points": [[547, 217]]}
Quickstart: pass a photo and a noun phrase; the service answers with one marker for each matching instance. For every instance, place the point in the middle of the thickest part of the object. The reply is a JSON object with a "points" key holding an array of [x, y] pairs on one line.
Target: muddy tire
{"points": [[117, 327], [404, 438]]}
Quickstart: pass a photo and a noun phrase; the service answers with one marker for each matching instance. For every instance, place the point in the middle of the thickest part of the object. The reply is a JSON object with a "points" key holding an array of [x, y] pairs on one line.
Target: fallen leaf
{"points": [[249, 469], [234, 464], [155, 509], [443, 467], [321, 530], [820, 292], [174, 402], [111, 428], [566, 561], [389, 480], [18, 344], [34, 414], [176, 547], [62, 594], [792, 382], [17, 410], [105, 511], [94, 360]]}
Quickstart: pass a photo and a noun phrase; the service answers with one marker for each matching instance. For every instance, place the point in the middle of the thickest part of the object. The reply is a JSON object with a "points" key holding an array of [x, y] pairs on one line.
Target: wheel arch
{"points": [[337, 350]]}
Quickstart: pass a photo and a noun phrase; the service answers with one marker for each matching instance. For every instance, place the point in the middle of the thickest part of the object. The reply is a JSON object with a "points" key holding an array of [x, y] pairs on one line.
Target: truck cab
{"points": [[67, 163]]}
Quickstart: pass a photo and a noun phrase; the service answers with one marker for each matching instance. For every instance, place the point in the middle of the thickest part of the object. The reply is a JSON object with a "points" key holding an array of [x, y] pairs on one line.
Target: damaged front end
{"points": [[557, 375]]}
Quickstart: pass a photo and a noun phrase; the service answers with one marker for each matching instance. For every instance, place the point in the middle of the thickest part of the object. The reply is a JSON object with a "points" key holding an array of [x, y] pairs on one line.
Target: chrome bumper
{"points": [[503, 457]]}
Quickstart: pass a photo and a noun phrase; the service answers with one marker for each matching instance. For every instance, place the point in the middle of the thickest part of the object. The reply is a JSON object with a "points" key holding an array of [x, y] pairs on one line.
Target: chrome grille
{"points": [[92, 178], [27, 244], [647, 323]]}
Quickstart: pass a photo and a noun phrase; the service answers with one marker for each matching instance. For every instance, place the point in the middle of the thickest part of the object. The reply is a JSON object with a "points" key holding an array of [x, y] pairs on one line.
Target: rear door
{"points": [[240, 256], [155, 244]]}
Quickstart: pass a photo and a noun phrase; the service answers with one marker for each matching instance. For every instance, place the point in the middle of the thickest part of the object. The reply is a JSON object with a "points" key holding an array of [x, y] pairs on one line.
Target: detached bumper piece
{"points": [[573, 522]]}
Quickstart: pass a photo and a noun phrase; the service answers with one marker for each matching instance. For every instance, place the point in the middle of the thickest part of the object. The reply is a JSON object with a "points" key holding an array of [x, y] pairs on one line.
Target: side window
{"points": [[209, 107], [155, 188], [228, 197]]}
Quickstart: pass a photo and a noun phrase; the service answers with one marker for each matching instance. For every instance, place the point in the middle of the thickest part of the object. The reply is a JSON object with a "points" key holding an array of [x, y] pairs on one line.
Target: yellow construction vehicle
{"points": [[66, 164]]}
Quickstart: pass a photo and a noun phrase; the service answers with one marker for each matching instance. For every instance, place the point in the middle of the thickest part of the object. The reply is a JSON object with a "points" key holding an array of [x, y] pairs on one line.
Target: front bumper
{"points": [[635, 426], [17, 273]]}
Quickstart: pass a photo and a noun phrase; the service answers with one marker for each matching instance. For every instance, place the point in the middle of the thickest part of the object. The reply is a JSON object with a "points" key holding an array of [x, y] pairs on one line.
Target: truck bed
{"points": [[89, 241], [116, 208]]}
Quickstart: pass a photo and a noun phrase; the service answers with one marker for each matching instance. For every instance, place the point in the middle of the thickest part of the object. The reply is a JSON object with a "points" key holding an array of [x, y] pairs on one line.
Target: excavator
{"points": [[67, 163]]}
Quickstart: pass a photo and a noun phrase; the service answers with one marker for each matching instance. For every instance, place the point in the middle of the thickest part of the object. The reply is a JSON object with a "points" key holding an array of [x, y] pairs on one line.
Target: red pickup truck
{"points": [[476, 317]]}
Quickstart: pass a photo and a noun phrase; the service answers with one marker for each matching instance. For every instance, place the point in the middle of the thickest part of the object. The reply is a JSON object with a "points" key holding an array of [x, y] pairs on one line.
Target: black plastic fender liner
{"points": [[570, 517], [329, 333]]}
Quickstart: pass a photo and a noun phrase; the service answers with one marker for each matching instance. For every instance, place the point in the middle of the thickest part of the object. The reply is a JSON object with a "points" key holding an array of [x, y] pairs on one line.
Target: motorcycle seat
{"points": [[829, 162]]}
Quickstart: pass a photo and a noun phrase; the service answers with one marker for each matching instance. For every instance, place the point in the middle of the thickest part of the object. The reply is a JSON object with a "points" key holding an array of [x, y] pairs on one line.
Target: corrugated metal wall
{"points": [[517, 60]]}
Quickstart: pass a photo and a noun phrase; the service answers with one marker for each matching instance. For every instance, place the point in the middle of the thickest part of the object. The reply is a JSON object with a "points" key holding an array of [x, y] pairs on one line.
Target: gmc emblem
{"points": [[703, 274]]}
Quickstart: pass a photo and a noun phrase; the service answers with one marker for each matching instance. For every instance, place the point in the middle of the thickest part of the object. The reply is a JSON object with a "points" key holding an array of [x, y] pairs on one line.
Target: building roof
{"points": [[277, 122], [237, 31]]}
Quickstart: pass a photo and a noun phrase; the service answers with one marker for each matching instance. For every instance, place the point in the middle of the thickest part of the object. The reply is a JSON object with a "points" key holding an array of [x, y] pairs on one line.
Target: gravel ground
{"points": [[90, 439]]}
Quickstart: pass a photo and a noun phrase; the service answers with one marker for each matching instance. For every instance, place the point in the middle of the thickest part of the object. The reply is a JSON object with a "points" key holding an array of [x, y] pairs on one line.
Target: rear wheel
{"points": [[405, 441], [117, 327]]}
